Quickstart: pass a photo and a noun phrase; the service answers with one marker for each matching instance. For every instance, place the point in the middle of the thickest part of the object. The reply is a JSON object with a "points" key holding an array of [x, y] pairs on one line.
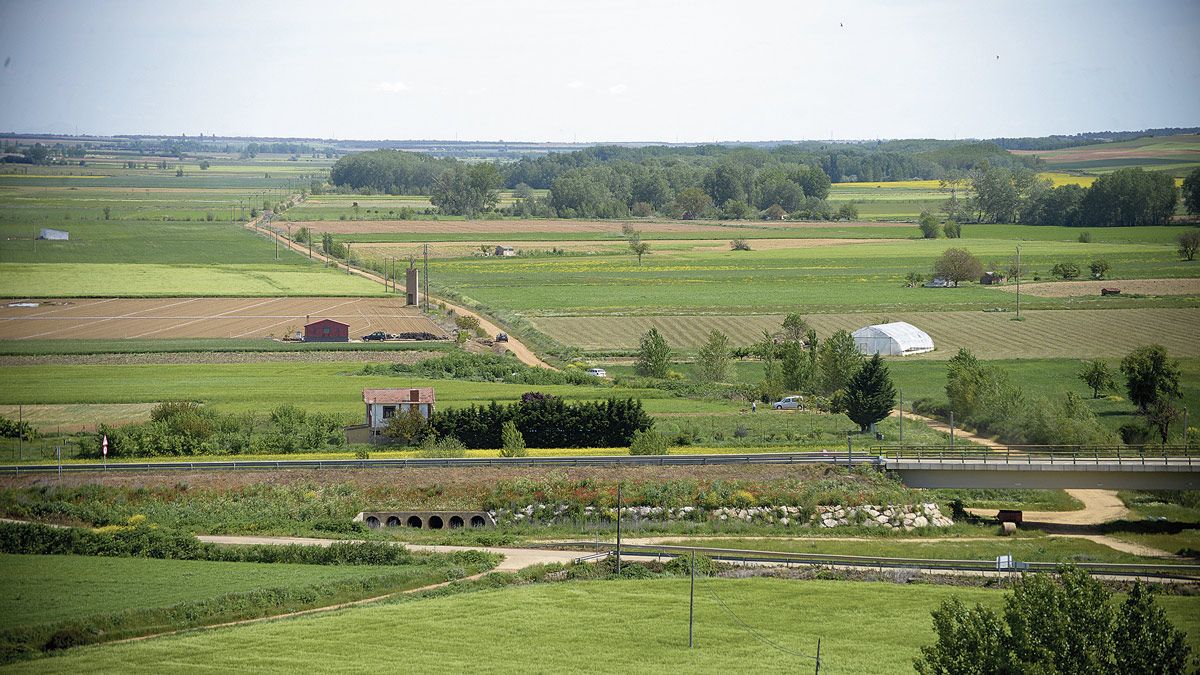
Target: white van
{"points": [[597, 372]]}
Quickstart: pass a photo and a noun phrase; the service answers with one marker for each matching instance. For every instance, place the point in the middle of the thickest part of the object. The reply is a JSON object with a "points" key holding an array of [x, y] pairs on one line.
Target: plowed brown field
{"points": [[648, 229], [121, 318]]}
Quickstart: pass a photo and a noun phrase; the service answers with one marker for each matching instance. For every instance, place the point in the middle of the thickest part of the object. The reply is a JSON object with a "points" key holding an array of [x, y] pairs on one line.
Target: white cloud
{"points": [[391, 87], [575, 84], [618, 89]]}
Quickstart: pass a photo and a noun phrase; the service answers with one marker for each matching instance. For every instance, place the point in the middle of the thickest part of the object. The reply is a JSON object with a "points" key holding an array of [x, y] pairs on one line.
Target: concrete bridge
{"points": [[420, 520], [975, 469]]}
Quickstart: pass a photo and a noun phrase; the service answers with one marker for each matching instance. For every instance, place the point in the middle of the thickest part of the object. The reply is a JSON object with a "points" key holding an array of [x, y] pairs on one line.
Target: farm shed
{"points": [[383, 404], [892, 339], [48, 233], [505, 251], [991, 278], [326, 330]]}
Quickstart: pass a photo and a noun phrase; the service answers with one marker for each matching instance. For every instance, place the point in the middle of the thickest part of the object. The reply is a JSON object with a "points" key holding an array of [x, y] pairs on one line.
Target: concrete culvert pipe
{"points": [[393, 521], [455, 521], [372, 522], [435, 522], [415, 521], [478, 521]]}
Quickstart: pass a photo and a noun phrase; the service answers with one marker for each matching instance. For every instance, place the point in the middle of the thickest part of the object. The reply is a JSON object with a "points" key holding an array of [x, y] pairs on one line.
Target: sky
{"points": [[591, 71]]}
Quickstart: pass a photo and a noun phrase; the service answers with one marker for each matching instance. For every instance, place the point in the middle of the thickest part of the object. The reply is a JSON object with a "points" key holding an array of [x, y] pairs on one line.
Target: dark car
{"points": [[377, 335], [501, 337]]}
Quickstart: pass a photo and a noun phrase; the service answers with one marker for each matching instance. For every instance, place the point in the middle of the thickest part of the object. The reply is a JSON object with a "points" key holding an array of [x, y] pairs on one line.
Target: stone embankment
{"points": [[906, 517]]}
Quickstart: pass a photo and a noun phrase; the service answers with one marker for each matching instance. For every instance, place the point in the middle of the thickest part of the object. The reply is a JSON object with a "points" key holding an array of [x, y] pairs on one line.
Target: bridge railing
{"points": [[1053, 454]]}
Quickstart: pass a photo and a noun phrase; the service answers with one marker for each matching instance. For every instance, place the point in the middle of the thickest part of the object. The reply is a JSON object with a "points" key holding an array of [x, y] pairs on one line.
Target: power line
{"points": [[755, 633]]}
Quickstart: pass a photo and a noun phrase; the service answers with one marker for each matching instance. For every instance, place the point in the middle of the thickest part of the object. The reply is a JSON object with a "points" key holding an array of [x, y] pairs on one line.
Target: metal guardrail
{"points": [[879, 457], [1041, 454], [1155, 570]]}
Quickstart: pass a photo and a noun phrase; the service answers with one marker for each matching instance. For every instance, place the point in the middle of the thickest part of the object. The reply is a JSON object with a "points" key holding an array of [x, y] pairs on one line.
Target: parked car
{"points": [[377, 335], [597, 372], [787, 403], [501, 337]]}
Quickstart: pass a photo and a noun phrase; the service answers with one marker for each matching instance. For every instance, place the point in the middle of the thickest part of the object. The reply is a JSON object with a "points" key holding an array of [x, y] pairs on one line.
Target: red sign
{"points": [[104, 446]]}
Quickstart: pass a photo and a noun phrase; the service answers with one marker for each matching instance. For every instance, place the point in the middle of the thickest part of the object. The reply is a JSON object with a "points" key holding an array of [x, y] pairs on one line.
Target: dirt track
{"points": [[129, 318], [1066, 289]]}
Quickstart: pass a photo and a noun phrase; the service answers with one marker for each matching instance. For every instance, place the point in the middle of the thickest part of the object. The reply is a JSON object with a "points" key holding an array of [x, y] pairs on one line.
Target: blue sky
{"points": [[599, 71]]}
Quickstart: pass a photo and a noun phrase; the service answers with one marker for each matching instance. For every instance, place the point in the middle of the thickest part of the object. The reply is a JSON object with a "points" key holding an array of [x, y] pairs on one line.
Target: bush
{"points": [[739, 245], [953, 229], [648, 442], [546, 422], [682, 566], [14, 429], [460, 365], [448, 447], [1085, 237]]}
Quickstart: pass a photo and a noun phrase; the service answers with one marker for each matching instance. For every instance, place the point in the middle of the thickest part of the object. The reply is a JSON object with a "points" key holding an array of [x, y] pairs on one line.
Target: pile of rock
{"points": [[905, 517]]}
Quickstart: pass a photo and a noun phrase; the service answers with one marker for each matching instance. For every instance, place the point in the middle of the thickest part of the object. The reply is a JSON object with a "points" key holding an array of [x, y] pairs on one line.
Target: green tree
{"points": [[406, 428], [1096, 375], [847, 211], [464, 191], [930, 227], [870, 394], [1189, 243], [840, 360], [953, 229], [767, 351], [637, 246], [795, 366], [795, 328], [512, 443], [1150, 376], [1160, 415], [654, 355], [1099, 268], [1065, 270], [1068, 626], [692, 203], [712, 361], [957, 265], [1191, 191]]}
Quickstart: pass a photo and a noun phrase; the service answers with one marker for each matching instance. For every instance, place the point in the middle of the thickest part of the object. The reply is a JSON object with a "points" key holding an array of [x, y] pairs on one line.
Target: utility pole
{"points": [[394, 289], [20, 434], [849, 450], [951, 429], [901, 392], [426, 299], [1019, 282], [818, 656], [618, 528], [692, 600]]}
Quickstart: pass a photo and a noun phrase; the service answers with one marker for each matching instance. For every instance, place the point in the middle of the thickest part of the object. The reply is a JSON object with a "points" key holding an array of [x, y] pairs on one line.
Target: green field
{"points": [[864, 628], [1174, 154], [50, 588]]}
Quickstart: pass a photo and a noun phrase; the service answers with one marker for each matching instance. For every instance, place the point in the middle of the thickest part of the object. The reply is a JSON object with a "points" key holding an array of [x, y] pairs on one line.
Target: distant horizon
{"points": [[1181, 130]]}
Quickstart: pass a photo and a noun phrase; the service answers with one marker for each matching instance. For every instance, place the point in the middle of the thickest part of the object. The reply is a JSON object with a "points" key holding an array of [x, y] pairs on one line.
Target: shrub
{"points": [[648, 442], [929, 225], [953, 229], [546, 422], [739, 245], [442, 447], [14, 429], [1085, 237], [682, 566], [465, 322]]}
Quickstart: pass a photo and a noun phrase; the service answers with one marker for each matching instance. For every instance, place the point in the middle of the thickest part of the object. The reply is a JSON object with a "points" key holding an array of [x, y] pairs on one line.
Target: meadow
{"points": [[865, 627], [52, 588]]}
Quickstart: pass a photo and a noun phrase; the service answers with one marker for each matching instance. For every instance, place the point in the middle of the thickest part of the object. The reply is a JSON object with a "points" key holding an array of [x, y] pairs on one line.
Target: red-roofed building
{"points": [[383, 404], [326, 330]]}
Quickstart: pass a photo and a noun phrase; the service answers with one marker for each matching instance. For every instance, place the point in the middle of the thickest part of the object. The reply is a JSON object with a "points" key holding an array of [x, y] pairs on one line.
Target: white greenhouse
{"points": [[892, 339]]}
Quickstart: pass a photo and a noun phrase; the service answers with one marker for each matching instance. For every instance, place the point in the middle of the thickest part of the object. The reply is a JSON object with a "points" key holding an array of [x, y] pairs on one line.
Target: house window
{"points": [[389, 411]]}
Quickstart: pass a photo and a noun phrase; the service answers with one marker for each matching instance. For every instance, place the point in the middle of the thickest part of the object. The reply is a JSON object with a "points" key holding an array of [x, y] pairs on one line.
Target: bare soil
{"points": [[1065, 289], [215, 358], [127, 318]]}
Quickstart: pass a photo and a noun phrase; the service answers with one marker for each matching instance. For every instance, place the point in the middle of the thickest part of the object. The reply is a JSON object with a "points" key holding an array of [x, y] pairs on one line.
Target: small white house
{"points": [[505, 251], [59, 235], [892, 339], [383, 404]]}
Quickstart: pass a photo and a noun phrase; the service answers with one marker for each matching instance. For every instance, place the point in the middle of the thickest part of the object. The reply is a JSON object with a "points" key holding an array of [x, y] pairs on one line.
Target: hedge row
{"points": [[546, 421], [148, 542]]}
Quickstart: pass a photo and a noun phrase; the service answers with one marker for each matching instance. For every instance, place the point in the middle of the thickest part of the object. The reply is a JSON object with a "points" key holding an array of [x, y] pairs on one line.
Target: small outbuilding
{"points": [[52, 234], [505, 251], [326, 330], [991, 278], [892, 339], [384, 404]]}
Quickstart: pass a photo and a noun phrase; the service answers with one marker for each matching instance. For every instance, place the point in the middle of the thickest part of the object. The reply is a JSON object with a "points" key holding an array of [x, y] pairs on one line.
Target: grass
{"points": [[50, 588], [1026, 549], [62, 280], [864, 628]]}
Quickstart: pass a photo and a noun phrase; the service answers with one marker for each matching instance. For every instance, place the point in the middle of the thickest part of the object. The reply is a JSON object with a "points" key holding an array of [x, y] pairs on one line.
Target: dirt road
{"points": [[518, 349]]}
